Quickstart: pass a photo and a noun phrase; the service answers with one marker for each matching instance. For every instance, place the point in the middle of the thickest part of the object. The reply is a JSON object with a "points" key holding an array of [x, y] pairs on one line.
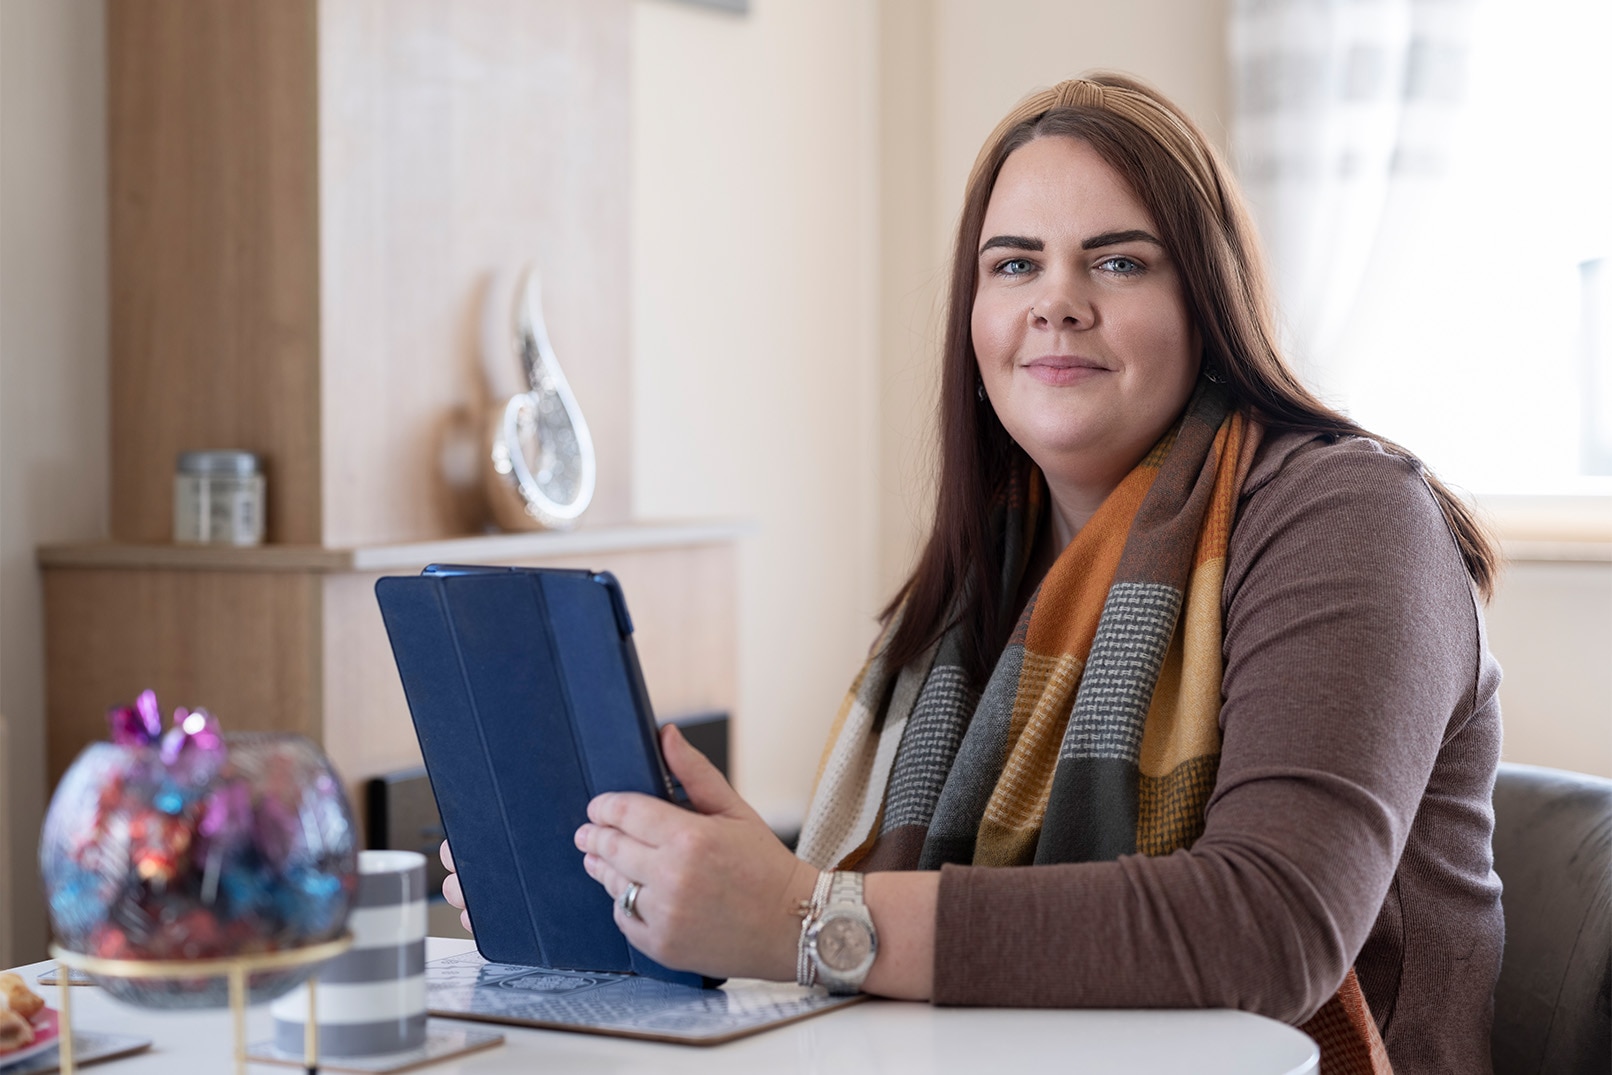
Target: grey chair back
{"points": [[1553, 852]]}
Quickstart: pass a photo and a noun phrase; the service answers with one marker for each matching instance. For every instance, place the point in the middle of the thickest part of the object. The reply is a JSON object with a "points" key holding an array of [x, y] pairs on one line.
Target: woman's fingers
{"points": [[708, 790], [719, 893], [452, 892], [627, 856], [655, 821], [614, 882], [450, 887], [649, 820]]}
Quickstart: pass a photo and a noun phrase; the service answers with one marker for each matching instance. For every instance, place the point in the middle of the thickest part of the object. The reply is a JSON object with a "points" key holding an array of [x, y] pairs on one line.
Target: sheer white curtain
{"points": [[1341, 108], [1433, 179]]}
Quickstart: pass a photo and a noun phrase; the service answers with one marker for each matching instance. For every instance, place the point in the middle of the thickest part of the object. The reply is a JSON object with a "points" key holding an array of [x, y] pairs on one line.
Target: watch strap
{"points": [[845, 887]]}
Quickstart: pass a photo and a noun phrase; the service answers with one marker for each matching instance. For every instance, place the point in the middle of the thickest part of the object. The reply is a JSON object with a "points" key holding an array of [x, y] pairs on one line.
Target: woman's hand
{"points": [[718, 891], [451, 890]]}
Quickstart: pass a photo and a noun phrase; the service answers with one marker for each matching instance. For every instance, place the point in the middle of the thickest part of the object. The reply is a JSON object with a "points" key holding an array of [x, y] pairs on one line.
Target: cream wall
{"points": [[1550, 626], [53, 380], [988, 55], [755, 263]]}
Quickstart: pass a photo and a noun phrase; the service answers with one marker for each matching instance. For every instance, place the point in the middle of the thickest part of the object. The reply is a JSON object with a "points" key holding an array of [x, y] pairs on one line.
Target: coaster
{"points": [[89, 1047], [74, 976], [444, 1039]]}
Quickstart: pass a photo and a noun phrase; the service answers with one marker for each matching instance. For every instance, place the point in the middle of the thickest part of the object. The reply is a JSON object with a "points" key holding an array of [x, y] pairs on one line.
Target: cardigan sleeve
{"points": [[1351, 654]]}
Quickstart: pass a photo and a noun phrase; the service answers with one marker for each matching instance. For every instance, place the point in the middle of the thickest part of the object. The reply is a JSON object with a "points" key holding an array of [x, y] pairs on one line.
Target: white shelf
{"points": [[475, 549]]}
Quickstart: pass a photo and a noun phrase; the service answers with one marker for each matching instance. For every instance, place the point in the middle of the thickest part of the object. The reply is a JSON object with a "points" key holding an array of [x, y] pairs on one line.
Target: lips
{"points": [[1064, 369]]}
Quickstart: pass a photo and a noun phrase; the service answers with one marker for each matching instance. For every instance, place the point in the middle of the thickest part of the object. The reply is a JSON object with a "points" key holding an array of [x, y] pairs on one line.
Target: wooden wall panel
{"points": [[368, 731], [245, 645], [456, 140], [212, 113]]}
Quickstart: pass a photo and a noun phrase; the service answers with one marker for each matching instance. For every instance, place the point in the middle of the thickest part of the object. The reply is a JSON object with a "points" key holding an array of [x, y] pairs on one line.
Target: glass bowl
{"points": [[234, 847]]}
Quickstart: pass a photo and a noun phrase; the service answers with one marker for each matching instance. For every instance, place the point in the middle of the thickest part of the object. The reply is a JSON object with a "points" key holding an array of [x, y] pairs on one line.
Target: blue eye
{"points": [[1119, 263], [1015, 267]]}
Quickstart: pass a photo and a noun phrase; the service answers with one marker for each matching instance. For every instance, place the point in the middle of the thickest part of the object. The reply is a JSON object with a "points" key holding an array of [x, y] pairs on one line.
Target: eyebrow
{"points": [[1012, 242], [1107, 238], [1114, 238]]}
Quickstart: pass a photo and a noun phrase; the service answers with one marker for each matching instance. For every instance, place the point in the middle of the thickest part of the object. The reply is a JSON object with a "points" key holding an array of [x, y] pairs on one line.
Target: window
{"points": [[1481, 337]]}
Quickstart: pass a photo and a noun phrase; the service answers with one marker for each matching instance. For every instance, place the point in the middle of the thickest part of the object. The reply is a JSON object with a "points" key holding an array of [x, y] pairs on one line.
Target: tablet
{"points": [[528, 700]]}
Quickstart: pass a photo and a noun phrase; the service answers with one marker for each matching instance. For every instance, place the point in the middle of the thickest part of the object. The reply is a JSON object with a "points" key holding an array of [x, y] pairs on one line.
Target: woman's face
{"points": [[1084, 343]]}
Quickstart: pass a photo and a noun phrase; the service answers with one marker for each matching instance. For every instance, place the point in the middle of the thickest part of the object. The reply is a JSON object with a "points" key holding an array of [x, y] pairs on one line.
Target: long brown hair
{"points": [[1209, 234]]}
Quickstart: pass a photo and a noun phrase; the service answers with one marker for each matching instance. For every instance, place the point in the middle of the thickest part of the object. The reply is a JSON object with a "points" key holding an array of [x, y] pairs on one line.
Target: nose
{"points": [[1060, 304]]}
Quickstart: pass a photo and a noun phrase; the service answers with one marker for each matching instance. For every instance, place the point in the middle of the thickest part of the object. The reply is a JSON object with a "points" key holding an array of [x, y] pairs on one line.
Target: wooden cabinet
{"points": [[308, 199]]}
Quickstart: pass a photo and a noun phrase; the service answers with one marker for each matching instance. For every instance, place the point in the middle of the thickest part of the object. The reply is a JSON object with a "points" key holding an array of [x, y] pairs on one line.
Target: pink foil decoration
{"points": [[150, 712], [226, 817], [193, 749], [193, 732], [136, 725]]}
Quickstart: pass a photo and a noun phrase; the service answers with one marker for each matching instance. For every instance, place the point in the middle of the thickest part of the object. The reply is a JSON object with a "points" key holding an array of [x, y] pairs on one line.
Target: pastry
{"points": [[14, 1031], [22, 1000]]}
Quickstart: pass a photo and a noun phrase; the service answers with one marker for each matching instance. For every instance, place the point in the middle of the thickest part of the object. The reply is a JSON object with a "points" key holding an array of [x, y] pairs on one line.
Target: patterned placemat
{"points": [[623, 1005], [444, 1039]]}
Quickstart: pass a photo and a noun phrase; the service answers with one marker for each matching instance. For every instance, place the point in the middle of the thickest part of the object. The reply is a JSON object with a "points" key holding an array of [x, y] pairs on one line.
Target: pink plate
{"points": [[45, 1033]]}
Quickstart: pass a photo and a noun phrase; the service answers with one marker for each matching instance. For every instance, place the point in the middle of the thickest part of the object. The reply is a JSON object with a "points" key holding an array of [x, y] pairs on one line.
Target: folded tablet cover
{"points": [[527, 700]]}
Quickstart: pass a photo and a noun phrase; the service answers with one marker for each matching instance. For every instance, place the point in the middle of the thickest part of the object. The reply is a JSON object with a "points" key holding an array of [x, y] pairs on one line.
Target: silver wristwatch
{"points": [[840, 939]]}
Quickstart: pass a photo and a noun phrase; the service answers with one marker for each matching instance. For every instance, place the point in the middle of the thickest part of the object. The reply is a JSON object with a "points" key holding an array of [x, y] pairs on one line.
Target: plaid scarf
{"points": [[1097, 734]]}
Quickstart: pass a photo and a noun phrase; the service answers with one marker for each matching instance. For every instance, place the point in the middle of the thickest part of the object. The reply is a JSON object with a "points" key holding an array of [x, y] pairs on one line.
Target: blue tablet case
{"points": [[528, 700]]}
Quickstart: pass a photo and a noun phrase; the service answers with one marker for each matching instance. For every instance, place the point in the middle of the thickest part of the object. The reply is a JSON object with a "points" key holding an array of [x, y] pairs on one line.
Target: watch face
{"points": [[843, 943]]}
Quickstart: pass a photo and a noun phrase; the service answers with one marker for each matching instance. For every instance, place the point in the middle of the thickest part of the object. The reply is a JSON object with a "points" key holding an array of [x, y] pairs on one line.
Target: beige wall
{"points": [[755, 260], [989, 54], [53, 385], [1550, 626]]}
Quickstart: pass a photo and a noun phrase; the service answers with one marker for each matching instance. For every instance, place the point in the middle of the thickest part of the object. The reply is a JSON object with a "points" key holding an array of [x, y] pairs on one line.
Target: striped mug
{"points": [[371, 999]]}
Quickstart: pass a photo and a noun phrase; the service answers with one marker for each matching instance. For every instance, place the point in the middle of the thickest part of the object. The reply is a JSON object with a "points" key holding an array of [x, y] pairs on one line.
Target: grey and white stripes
{"points": [[371, 999]]}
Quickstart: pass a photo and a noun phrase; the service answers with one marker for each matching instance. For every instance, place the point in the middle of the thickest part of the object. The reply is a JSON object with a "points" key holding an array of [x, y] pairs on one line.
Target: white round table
{"points": [[877, 1038]]}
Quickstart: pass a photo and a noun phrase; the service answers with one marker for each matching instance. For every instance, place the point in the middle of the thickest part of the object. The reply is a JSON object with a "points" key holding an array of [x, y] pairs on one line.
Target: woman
{"points": [[1192, 660]]}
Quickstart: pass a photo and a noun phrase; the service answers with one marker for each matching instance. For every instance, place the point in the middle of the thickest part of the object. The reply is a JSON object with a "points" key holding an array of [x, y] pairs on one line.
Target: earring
{"points": [[1213, 375], [979, 389]]}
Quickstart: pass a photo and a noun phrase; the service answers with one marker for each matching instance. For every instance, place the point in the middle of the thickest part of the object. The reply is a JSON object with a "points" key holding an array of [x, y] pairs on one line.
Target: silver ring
{"points": [[629, 899]]}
